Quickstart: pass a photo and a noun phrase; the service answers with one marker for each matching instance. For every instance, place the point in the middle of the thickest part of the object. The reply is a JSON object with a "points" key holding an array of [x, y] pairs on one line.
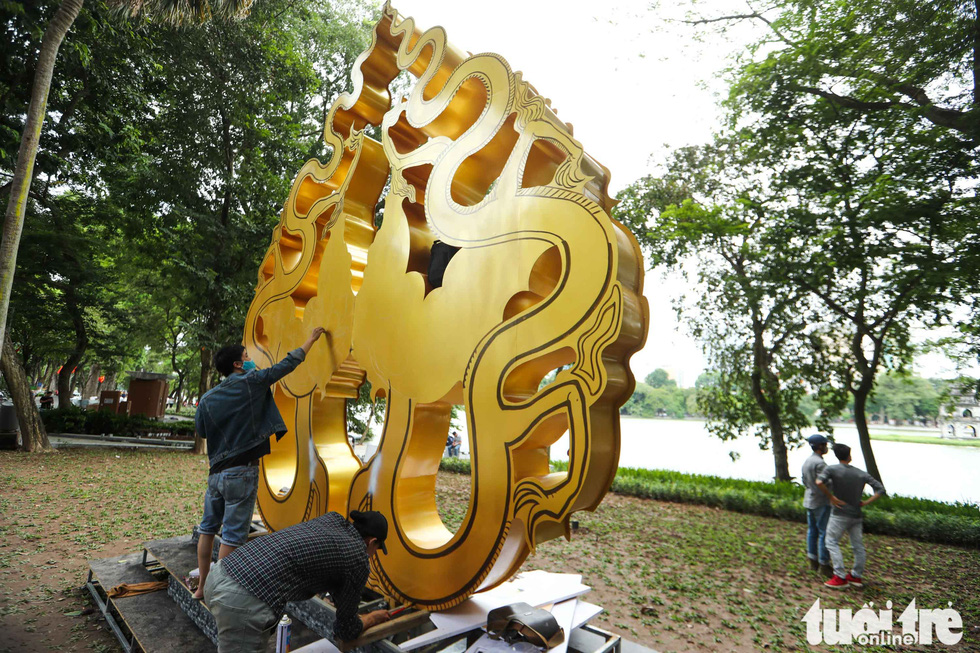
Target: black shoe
{"points": [[826, 570], [814, 565]]}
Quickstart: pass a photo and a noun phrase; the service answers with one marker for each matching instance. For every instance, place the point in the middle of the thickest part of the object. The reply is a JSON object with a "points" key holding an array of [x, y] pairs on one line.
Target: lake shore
{"points": [[913, 469]]}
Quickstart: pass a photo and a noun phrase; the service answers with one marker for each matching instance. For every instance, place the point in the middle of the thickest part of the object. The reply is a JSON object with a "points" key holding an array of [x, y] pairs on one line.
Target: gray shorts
{"points": [[245, 623]]}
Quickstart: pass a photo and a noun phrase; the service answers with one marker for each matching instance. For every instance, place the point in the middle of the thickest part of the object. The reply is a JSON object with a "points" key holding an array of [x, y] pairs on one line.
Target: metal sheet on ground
{"points": [[177, 554], [535, 588], [122, 569], [159, 625], [570, 615]]}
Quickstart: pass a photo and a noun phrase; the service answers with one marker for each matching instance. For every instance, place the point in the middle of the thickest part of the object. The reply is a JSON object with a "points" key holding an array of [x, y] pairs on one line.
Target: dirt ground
{"points": [[673, 577]]}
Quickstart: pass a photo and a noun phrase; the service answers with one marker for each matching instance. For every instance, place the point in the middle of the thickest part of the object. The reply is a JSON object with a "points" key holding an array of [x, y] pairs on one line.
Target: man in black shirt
{"points": [[247, 591], [237, 417]]}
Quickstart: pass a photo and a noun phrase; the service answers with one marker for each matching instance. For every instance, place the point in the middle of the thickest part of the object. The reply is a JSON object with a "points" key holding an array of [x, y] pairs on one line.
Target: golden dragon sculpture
{"points": [[544, 284]]}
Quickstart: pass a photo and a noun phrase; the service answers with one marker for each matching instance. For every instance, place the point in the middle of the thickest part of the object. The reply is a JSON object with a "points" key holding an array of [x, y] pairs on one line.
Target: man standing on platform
{"points": [[237, 418], [817, 506], [248, 591]]}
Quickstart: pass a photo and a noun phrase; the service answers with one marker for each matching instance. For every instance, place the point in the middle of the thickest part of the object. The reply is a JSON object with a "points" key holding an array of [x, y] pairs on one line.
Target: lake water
{"points": [[942, 472]]}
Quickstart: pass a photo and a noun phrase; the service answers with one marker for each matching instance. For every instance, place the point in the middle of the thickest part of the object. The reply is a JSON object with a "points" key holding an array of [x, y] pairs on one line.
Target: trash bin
{"points": [[109, 400], [8, 418]]}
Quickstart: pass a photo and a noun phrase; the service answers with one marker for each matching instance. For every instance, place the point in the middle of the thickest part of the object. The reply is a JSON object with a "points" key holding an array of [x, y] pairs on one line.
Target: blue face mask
{"points": [[248, 365]]}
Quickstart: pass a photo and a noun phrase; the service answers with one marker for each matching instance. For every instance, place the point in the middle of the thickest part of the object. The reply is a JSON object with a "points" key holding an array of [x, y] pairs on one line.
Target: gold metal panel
{"points": [[544, 280]]}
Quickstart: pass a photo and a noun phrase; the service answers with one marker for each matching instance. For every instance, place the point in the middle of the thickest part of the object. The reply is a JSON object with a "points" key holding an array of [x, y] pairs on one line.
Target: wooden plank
{"points": [[393, 627]]}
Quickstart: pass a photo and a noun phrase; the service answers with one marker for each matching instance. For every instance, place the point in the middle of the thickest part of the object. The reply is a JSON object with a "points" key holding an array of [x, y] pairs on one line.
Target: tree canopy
{"points": [[835, 211], [165, 158]]}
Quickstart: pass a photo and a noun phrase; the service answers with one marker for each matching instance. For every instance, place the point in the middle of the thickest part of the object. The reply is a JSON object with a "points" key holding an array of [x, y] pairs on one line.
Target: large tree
{"points": [[709, 211], [902, 59], [59, 17], [60, 23], [238, 107], [869, 111]]}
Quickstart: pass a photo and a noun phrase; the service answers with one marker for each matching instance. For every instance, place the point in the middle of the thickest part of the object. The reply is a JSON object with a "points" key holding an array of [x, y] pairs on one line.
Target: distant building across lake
{"points": [[964, 421]]}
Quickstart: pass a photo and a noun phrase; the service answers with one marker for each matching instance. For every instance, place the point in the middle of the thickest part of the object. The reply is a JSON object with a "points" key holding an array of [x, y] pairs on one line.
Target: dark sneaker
{"points": [[814, 565], [856, 582], [827, 571], [837, 582]]}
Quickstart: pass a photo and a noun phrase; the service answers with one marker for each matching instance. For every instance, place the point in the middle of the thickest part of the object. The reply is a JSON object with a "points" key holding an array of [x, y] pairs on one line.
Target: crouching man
{"points": [[248, 590]]}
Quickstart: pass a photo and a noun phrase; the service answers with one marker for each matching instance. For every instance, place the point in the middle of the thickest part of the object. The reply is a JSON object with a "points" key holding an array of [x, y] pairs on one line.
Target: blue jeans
{"points": [[229, 504], [816, 534]]}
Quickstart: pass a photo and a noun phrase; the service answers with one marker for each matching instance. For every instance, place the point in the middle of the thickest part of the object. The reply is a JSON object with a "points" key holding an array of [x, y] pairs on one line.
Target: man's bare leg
{"points": [[224, 550], [205, 544]]}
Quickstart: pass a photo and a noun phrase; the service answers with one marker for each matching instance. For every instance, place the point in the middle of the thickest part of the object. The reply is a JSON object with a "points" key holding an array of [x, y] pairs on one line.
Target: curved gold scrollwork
{"points": [[544, 280]]}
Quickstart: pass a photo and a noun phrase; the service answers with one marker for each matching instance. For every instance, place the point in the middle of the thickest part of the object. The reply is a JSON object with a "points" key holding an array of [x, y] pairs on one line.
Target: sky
{"points": [[634, 84]]}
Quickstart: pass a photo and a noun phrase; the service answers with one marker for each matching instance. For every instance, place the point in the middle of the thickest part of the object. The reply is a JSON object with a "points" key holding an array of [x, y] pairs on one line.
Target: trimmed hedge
{"points": [[99, 422], [921, 519]]}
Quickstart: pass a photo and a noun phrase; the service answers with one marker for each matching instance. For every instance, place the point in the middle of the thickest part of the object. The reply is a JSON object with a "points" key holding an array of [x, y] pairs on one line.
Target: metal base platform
{"points": [[146, 622], [175, 621]]}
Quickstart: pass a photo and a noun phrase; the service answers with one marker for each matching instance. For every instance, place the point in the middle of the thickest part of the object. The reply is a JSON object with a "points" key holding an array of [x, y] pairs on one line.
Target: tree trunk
{"points": [[178, 400], [779, 452], [33, 437], [65, 377], [767, 398], [864, 436], [50, 375], [81, 344], [92, 383], [13, 224], [200, 445]]}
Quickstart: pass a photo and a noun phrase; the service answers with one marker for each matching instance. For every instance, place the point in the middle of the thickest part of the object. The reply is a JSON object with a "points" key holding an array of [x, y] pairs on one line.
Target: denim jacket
{"points": [[240, 412]]}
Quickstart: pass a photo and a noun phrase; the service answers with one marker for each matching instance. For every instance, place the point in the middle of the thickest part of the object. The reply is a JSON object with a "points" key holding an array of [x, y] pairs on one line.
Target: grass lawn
{"points": [[923, 439], [673, 576]]}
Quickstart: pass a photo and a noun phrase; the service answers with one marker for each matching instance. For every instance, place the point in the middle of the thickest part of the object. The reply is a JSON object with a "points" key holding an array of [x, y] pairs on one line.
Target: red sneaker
{"points": [[851, 580], [837, 582]]}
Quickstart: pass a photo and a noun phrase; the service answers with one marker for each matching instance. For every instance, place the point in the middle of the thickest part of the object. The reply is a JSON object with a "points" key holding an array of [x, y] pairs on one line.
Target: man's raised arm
{"points": [[270, 375]]}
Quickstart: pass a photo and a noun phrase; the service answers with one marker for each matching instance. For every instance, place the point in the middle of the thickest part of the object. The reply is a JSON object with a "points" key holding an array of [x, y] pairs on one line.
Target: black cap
{"points": [[371, 524]]}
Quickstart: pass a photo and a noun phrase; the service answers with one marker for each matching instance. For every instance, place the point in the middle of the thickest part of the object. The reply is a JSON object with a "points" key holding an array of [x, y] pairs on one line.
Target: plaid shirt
{"points": [[325, 554]]}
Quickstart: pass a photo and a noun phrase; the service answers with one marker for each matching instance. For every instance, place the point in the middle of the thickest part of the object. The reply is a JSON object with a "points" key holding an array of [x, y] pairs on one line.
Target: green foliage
{"points": [[904, 397], [104, 422], [161, 173], [659, 378], [664, 401], [922, 519], [746, 315], [835, 211], [455, 465]]}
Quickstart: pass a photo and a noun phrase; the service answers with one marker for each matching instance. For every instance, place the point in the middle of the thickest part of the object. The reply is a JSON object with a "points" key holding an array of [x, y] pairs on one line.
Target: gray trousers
{"points": [[854, 527], [245, 623]]}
